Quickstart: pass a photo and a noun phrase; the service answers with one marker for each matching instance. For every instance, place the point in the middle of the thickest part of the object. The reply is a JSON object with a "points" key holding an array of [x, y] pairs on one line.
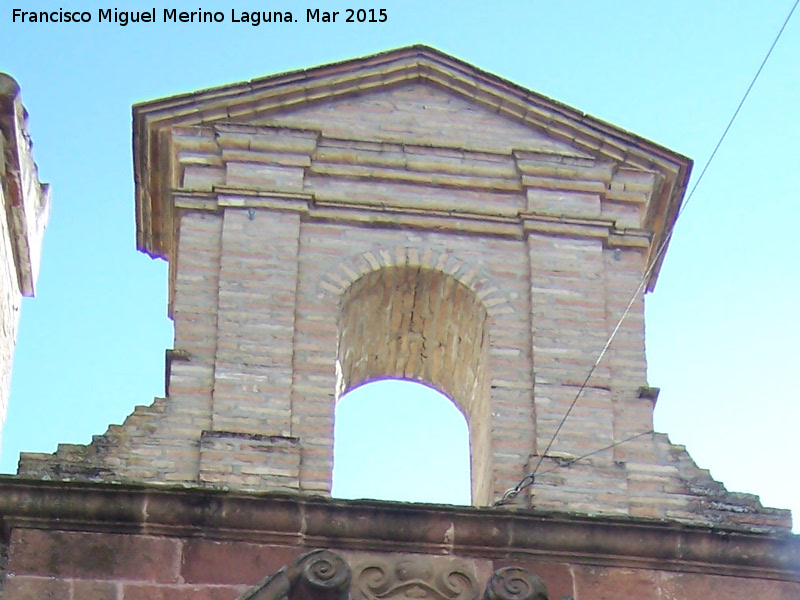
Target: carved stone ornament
{"points": [[318, 575], [415, 578], [325, 575], [513, 583]]}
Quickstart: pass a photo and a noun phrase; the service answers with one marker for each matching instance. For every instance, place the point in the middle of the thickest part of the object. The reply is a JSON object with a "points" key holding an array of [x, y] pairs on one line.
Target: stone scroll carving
{"points": [[318, 575], [415, 578], [326, 575], [514, 583]]}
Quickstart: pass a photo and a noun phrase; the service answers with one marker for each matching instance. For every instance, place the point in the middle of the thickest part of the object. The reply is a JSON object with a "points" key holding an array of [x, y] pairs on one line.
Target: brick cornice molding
{"points": [[510, 226], [309, 522]]}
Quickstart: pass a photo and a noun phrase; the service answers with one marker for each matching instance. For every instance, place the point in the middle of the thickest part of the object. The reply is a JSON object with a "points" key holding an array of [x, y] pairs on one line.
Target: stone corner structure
{"points": [[25, 205], [401, 215]]}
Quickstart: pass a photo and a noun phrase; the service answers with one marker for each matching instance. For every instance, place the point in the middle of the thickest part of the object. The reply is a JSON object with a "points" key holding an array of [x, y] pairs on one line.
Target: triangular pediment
{"points": [[417, 79], [415, 95], [423, 113]]}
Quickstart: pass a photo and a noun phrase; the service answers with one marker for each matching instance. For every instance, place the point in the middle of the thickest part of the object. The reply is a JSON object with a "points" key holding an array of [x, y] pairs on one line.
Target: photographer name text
{"points": [[172, 15]]}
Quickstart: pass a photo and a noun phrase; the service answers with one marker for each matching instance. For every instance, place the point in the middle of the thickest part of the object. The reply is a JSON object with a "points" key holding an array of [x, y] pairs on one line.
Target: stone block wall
{"points": [[152, 568], [107, 542]]}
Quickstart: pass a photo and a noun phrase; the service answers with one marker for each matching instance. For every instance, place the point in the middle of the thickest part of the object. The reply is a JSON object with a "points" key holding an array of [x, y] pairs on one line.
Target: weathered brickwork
{"points": [[25, 206], [404, 215], [255, 461]]}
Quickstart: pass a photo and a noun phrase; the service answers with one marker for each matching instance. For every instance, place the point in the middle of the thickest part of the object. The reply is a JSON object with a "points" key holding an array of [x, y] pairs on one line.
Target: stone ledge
{"points": [[308, 521], [339, 209]]}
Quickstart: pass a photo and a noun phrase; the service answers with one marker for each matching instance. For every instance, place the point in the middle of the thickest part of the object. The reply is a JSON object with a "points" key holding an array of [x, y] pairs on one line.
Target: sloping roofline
{"points": [[250, 99]]}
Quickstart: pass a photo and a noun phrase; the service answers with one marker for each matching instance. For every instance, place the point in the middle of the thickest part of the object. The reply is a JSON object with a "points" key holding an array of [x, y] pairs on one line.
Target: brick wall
{"points": [[289, 225]]}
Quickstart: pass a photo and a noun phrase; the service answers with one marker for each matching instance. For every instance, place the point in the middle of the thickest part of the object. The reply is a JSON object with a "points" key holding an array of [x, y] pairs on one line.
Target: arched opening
{"points": [[400, 440], [422, 325]]}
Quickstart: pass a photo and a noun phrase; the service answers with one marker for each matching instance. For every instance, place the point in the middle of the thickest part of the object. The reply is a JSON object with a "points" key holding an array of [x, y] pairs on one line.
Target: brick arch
{"points": [[421, 324], [334, 284]]}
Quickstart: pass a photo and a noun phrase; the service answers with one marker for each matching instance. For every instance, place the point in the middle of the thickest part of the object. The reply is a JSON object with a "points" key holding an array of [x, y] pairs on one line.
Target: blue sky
{"points": [[722, 322]]}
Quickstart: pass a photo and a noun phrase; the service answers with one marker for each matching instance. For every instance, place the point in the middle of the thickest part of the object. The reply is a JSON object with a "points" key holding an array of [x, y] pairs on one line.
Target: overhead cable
{"points": [[645, 276]]}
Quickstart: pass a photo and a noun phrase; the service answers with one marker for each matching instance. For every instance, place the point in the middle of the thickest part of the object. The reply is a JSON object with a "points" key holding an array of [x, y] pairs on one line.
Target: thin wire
{"points": [[738, 108], [664, 243], [572, 461], [529, 480]]}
